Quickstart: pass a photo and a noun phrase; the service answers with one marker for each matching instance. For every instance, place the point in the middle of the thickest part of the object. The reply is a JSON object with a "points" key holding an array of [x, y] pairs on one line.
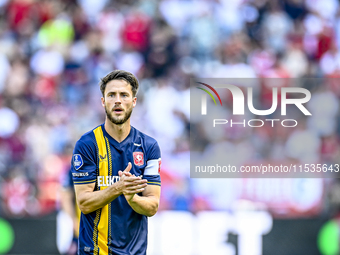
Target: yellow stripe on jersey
{"points": [[155, 183], [110, 173], [95, 233], [78, 213], [82, 182], [103, 171]]}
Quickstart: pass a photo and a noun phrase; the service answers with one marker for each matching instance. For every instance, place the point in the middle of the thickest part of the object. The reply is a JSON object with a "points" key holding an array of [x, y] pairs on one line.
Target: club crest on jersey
{"points": [[77, 161], [138, 158]]}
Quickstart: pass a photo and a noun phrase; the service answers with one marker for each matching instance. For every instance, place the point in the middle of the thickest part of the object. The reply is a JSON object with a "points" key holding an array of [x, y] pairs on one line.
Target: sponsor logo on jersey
{"points": [[159, 166], [108, 180], [77, 161], [138, 158], [103, 158], [137, 144], [80, 174]]}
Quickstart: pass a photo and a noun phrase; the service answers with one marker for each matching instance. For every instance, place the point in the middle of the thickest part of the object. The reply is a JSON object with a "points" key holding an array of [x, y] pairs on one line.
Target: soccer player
{"points": [[115, 204]]}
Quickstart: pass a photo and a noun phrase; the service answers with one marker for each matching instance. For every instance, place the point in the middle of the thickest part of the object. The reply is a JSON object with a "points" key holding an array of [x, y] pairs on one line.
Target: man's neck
{"points": [[118, 132]]}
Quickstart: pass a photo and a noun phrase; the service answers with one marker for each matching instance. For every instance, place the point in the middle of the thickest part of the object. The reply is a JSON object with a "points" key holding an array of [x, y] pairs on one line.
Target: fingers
{"points": [[131, 192], [132, 181], [120, 173], [128, 168], [130, 178], [135, 189], [128, 174]]}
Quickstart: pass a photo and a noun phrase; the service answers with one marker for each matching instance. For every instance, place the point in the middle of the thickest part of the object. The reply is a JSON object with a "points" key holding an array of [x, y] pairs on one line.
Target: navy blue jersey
{"points": [[116, 228]]}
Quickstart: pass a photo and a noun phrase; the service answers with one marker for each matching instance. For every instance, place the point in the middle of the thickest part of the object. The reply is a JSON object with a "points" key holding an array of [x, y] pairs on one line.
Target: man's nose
{"points": [[118, 99]]}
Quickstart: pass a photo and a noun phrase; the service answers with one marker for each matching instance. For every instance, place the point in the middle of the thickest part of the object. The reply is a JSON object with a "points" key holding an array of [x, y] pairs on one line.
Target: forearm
{"points": [[147, 206], [92, 200]]}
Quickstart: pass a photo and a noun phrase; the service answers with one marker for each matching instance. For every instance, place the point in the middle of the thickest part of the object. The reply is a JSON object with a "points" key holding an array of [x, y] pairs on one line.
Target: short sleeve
{"points": [[84, 166], [153, 166]]}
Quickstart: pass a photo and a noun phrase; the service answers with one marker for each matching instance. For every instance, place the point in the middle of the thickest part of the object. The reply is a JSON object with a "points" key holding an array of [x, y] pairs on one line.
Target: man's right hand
{"points": [[130, 184]]}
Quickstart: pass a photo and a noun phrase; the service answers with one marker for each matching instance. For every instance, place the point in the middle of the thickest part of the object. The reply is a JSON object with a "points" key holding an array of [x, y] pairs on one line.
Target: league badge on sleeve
{"points": [[77, 161], [138, 158]]}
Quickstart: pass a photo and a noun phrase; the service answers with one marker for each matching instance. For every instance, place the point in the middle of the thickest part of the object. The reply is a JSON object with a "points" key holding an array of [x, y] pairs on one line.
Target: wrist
{"points": [[118, 189], [131, 198]]}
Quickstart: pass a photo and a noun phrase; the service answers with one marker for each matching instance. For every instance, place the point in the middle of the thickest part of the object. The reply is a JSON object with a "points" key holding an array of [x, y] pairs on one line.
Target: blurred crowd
{"points": [[52, 54]]}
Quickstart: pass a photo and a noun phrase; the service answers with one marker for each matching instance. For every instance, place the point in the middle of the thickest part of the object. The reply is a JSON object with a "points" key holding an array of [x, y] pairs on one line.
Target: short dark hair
{"points": [[119, 75]]}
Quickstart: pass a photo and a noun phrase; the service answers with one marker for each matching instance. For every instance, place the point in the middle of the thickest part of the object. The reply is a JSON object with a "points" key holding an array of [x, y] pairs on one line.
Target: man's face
{"points": [[118, 101]]}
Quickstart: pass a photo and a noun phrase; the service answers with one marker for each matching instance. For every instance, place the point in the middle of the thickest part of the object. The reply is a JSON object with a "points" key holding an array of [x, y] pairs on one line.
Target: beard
{"points": [[120, 119]]}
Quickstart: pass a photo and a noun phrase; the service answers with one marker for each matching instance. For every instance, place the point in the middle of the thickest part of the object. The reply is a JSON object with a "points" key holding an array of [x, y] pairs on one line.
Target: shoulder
{"points": [[87, 141], [149, 144], [147, 140]]}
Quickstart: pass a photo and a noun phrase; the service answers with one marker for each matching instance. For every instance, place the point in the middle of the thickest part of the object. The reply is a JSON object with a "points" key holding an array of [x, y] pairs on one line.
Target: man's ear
{"points": [[103, 101], [134, 102]]}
